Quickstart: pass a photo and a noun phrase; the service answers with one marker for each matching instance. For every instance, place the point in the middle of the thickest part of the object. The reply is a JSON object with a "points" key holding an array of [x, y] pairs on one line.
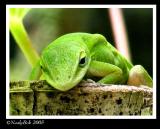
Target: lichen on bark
{"points": [[88, 98]]}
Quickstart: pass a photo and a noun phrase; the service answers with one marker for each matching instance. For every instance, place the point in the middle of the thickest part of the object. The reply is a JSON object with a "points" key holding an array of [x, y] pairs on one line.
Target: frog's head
{"points": [[65, 64]]}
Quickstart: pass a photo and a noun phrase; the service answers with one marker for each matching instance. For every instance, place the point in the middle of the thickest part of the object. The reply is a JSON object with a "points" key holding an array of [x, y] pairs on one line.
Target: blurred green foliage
{"points": [[45, 25]]}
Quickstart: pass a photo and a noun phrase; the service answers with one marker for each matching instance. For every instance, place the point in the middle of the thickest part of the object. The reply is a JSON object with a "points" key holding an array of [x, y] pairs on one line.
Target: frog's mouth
{"points": [[64, 80], [63, 87]]}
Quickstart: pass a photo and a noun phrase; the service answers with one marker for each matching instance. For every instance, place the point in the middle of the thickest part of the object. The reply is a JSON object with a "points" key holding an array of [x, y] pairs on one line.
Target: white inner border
{"points": [[80, 117]]}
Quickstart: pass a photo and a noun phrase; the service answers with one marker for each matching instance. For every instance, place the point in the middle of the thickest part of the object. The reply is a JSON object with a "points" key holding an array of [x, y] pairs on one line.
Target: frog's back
{"points": [[78, 36]]}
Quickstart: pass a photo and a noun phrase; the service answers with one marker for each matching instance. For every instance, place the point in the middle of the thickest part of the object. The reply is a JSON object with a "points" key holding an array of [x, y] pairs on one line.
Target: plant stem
{"points": [[22, 39], [119, 31]]}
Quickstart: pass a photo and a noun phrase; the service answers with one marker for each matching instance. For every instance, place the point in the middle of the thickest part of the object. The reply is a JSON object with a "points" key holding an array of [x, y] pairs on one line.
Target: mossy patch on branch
{"points": [[88, 98]]}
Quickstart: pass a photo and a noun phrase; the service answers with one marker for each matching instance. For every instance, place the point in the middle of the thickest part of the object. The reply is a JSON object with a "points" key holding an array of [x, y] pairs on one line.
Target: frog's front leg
{"points": [[139, 76], [109, 73]]}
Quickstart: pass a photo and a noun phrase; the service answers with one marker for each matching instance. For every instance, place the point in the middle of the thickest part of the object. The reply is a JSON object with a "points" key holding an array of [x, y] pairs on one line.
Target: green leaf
{"points": [[20, 34], [18, 12]]}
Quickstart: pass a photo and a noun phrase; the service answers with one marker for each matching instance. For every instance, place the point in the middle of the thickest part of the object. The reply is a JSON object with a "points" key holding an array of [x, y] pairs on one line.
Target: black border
{"points": [[3, 65], [83, 2], [69, 123]]}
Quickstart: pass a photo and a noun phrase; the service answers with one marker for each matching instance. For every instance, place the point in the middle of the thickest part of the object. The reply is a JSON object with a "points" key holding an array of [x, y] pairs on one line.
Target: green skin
{"points": [[76, 56]]}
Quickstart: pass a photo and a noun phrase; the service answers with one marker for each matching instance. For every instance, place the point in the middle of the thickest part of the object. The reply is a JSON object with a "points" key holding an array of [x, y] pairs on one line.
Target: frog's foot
{"points": [[139, 76]]}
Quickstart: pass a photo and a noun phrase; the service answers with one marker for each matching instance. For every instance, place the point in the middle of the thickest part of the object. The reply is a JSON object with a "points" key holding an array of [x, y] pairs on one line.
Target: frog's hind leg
{"points": [[139, 76]]}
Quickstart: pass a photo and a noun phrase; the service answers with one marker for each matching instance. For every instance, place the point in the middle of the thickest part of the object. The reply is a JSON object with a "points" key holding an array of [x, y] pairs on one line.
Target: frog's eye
{"points": [[41, 66], [83, 59]]}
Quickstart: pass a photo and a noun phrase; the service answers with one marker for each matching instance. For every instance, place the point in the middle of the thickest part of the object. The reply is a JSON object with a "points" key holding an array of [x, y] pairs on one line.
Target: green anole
{"points": [[76, 56]]}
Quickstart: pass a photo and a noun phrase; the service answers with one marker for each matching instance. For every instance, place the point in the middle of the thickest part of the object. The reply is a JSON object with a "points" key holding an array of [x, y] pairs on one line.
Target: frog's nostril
{"points": [[69, 77], [57, 78]]}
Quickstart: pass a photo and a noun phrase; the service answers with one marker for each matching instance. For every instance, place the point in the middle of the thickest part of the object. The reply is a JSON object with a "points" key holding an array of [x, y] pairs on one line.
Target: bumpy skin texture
{"points": [[75, 56]]}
